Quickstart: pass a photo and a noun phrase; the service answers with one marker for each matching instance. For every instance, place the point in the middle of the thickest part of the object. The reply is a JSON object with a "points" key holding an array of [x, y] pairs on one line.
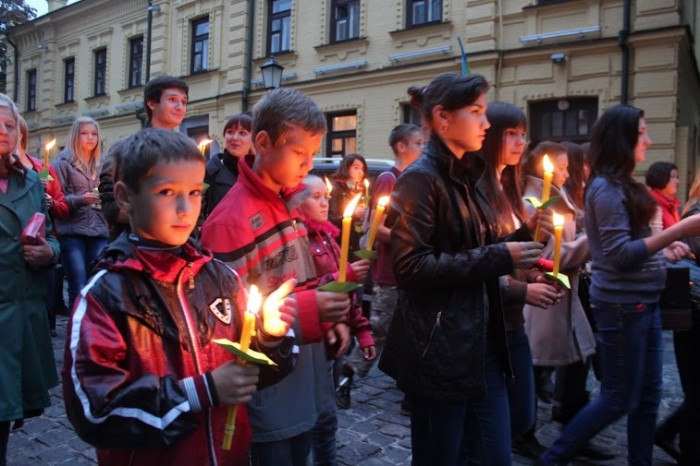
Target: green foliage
{"points": [[12, 13]]}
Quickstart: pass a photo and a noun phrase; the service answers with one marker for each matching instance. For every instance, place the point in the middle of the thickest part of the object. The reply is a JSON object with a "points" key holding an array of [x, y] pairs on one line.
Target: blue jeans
{"points": [[521, 391], [77, 254], [631, 356], [323, 442], [461, 433]]}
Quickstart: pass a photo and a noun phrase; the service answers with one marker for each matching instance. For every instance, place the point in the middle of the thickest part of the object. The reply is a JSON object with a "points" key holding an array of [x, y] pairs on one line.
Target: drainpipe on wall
{"points": [[623, 42], [15, 93], [248, 58]]}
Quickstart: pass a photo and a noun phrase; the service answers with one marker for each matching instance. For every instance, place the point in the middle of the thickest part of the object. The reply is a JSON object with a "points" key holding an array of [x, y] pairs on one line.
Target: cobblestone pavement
{"points": [[371, 433]]}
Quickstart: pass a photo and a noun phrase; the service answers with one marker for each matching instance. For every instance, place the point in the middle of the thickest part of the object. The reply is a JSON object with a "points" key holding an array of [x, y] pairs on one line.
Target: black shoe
{"points": [[342, 393], [667, 444], [406, 406], [529, 447], [595, 452]]}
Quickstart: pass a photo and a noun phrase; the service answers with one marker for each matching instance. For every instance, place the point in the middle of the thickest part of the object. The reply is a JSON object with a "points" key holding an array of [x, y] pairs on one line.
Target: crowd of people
{"points": [[482, 302]]}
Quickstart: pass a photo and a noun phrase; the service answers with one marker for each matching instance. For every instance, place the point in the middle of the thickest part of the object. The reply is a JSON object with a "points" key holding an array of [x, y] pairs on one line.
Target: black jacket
{"points": [[447, 267]]}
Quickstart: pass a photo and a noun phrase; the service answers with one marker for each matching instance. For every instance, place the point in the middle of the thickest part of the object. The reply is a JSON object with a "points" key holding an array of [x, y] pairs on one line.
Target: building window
{"points": [[422, 12], [31, 90], [100, 71], [567, 119], [135, 61], [200, 45], [279, 26], [69, 80], [411, 115], [342, 134], [345, 20]]}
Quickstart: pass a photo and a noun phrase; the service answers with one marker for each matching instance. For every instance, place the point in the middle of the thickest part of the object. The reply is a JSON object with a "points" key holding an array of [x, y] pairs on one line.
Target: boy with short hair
{"points": [[143, 381], [406, 143], [257, 229]]}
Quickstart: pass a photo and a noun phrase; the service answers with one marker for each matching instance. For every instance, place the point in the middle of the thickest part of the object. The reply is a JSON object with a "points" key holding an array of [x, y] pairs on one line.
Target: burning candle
{"points": [[203, 145], [345, 237], [366, 190], [546, 187], [558, 221], [249, 317], [329, 186], [47, 150], [378, 212]]}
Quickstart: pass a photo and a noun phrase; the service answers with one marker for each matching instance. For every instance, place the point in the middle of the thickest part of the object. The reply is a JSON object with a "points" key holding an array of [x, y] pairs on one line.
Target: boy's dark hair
{"points": [[286, 108], [244, 120], [659, 174], [343, 171], [533, 158], [402, 133], [136, 155], [155, 87]]}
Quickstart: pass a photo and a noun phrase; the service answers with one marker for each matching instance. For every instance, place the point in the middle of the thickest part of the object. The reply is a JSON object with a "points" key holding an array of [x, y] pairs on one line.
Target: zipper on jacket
{"points": [[191, 280], [436, 324]]}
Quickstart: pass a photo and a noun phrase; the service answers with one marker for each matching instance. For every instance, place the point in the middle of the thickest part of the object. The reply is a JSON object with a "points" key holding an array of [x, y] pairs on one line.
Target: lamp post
{"points": [[149, 29], [271, 74]]}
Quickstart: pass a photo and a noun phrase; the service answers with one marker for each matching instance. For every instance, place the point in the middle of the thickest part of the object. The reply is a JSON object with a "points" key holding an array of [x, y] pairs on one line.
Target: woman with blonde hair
{"points": [[27, 366], [84, 232]]}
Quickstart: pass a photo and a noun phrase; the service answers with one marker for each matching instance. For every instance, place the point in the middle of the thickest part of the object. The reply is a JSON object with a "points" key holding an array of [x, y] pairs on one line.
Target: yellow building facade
{"points": [[562, 61]]}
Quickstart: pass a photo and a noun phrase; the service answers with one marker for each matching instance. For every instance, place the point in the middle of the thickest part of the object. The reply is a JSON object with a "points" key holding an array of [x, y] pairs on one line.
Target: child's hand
{"points": [[332, 306], [370, 352], [279, 310], [360, 211], [360, 268], [338, 339], [235, 383], [542, 294]]}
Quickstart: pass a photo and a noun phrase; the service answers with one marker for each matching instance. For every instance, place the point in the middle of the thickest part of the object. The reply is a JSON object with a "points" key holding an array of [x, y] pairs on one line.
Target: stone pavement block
{"points": [[380, 439], [38, 425], [56, 437], [353, 453], [395, 431]]}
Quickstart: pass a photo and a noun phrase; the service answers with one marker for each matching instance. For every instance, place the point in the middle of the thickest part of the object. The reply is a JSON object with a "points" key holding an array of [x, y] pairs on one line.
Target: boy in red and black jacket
{"points": [[143, 381]]}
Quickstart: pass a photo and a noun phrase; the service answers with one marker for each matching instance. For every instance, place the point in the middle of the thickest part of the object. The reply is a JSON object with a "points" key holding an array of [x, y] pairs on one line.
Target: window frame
{"points": [[283, 32], [352, 26], [200, 57], [343, 135], [31, 89], [100, 61], [69, 80], [410, 20], [544, 113], [135, 77]]}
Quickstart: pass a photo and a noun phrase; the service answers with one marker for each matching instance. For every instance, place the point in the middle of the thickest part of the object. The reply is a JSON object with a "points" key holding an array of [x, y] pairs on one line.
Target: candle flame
{"points": [[557, 219], [383, 201], [203, 144], [548, 167], [350, 209], [366, 183], [254, 300], [329, 185], [50, 144]]}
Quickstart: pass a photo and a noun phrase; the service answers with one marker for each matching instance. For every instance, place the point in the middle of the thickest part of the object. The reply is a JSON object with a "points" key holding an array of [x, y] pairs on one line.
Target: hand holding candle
{"points": [[546, 186], [376, 219], [345, 237]]}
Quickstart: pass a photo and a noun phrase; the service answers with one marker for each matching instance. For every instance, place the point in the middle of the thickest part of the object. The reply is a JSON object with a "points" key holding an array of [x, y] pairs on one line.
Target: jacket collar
{"points": [[291, 198], [164, 265]]}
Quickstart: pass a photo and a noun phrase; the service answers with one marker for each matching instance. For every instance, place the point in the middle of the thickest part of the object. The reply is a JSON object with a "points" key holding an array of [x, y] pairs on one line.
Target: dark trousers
{"points": [[4, 438], [570, 394]]}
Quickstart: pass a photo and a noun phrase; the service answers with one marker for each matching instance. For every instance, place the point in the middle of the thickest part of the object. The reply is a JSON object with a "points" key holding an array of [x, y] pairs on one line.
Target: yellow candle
{"points": [[203, 145], [558, 221], [248, 330], [366, 190], [546, 187], [47, 150], [345, 237], [378, 212]]}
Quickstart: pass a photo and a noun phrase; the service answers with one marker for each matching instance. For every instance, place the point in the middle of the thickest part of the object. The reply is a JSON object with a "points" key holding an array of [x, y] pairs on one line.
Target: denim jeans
{"points": [[631, 355], [461, 433], [521, 390], [293, 451], [77, 254], [323, 434]]}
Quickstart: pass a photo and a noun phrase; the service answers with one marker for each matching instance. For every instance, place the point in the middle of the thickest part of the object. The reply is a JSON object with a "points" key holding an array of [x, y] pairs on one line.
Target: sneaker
{"points": [[528, 446], [342, 393], [406, 406], [595, 452]]}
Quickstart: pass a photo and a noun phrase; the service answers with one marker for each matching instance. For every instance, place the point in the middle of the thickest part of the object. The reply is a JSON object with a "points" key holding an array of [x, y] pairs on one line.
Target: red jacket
{"points": [[53, 188], [669, 207], [326, 253], [139, 352]]}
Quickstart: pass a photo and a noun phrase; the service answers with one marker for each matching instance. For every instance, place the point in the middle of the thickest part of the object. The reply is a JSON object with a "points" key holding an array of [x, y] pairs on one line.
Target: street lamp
{"points": [[271, 74]]}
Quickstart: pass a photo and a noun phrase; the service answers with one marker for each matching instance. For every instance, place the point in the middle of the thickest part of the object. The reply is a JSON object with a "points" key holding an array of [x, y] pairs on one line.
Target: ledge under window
{"points": [[409, 31], [332, 46]]}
